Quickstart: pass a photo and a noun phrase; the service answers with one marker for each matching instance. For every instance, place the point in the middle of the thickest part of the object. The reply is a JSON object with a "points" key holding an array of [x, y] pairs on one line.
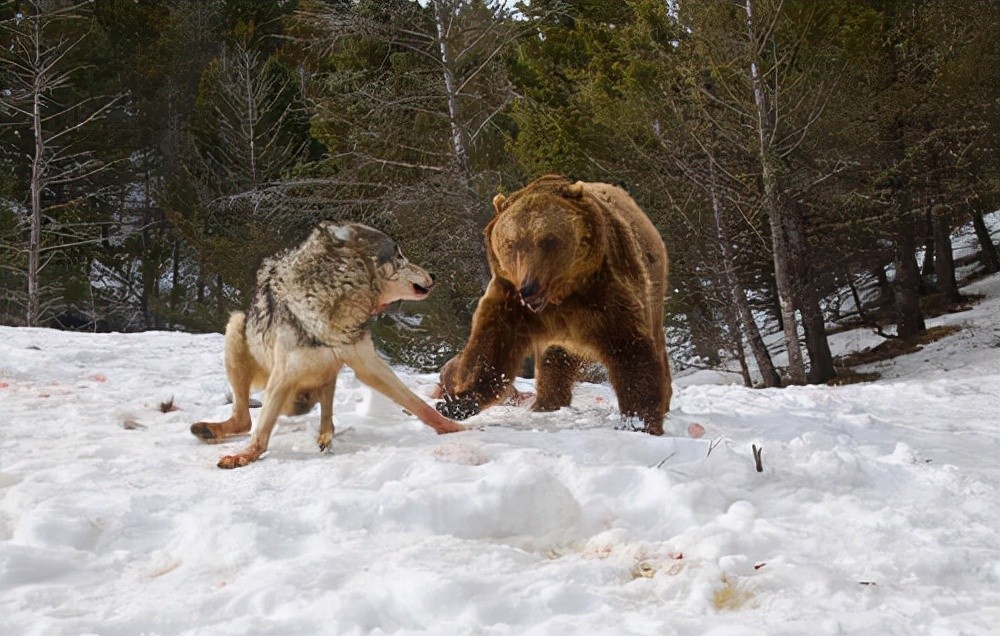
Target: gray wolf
{"points": [[310, 316]]}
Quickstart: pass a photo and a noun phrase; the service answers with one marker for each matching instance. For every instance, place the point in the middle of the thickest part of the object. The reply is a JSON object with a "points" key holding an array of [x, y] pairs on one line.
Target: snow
{"points": [[878, 509]]}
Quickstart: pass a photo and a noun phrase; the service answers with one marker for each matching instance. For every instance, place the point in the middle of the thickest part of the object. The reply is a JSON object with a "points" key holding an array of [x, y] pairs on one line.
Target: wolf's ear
{"points": [[573, 191], [498, 202], [339, 232]]}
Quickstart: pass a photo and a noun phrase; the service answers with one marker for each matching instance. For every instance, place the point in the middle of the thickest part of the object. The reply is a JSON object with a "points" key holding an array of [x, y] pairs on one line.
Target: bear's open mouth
{"points": [[420, 290], [536, 304]]}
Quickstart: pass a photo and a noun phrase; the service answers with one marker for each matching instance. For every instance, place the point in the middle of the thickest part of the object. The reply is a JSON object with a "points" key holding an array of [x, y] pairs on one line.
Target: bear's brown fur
{"points": [[579, 272]]}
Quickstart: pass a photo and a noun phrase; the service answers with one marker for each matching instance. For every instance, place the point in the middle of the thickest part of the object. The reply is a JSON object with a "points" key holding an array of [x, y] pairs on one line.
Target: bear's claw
{"points": [[458, 408]]}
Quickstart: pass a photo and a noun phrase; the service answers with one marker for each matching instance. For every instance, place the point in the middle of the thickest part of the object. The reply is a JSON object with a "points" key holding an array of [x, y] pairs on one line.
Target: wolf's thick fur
{"points": [[309, 317]]}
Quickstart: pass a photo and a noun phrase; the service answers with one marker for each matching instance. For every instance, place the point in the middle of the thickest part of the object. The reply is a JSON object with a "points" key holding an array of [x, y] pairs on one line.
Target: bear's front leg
{"points": [[501, 336], [636, 373]]}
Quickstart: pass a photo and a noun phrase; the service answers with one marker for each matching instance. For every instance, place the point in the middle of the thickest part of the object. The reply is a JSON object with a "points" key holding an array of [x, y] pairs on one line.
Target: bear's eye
{"points": [[550, 243]]}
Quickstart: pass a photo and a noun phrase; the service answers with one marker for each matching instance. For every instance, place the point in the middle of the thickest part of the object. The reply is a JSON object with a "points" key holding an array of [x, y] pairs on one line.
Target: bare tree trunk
{"points": [[821, 367], [736, 345], [704, 333], [944, 264], [990, 257], [775, 304], [779, 239], [220, 297], [862, 314], [175, 279], [451, 87], [910, 320], [886, 294], [745, 320], [807, 296], [927, 267], [250, 105], [148, 268], [35, 67], [34, 241]]}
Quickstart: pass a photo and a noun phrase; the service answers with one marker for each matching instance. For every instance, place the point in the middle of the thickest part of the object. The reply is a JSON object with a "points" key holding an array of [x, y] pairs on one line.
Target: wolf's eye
{"points": [[550, 243], [400, 259]]}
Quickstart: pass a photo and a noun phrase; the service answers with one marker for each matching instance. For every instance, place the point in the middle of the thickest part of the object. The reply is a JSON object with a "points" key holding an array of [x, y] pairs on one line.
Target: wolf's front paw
{"points": [[458, 408], [323, 440], [237, 461]]}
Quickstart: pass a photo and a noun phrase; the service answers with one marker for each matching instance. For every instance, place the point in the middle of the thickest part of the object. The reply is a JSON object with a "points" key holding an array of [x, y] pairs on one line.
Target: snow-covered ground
{"points": [[878, 510]]}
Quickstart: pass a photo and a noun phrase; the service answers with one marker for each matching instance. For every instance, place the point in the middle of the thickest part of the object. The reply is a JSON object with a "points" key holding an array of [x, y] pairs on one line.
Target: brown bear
{"points": [[578, 272]]}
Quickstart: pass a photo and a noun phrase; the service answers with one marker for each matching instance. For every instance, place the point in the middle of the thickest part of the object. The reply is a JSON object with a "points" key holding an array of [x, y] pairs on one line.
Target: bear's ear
{"points": [[573, 191], [498, 202]]}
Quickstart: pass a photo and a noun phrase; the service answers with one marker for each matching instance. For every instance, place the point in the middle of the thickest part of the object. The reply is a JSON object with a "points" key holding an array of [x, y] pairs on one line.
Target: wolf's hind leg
{"points": [[325, 436], [240, 370]]}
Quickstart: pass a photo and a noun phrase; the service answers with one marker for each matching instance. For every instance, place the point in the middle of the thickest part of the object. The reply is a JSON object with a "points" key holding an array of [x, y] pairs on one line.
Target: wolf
{"points": [[309, 316]]}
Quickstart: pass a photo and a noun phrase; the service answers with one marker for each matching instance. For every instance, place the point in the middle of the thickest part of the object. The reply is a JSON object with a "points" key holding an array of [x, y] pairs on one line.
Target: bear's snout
{"points": [[528, 290]]}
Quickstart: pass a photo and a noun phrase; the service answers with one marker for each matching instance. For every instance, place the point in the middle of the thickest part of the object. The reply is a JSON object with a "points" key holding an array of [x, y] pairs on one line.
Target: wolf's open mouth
{"points": [[420, 290]]}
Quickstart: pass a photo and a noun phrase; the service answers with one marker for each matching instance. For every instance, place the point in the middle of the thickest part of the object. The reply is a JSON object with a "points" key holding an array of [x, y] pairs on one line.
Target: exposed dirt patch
{"points": [[846, 375], [893, 348]]}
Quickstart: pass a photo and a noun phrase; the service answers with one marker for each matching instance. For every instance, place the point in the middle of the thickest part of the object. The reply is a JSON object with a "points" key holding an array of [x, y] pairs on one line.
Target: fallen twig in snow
{"points": [[664, 460], [756, 457], [711, 447]]}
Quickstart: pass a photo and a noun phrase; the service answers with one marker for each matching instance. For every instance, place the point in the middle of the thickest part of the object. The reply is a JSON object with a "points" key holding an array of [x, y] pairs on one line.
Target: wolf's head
{"points": [[396, 277]]}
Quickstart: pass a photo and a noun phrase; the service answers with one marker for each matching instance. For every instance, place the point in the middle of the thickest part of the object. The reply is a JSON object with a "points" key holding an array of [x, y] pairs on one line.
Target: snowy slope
{"points": [[878, 511]]}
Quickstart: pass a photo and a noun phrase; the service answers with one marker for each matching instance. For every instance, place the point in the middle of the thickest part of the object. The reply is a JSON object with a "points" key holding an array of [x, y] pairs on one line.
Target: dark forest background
{"points": [[151, 153]]}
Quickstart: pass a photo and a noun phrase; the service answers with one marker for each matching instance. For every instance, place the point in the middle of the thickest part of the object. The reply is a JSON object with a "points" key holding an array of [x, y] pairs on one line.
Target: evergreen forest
{"points": [[804, 161]]}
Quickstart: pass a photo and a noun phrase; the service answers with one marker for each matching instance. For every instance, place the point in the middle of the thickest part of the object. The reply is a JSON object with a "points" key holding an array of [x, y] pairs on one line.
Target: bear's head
{"points": [[545, 240]]}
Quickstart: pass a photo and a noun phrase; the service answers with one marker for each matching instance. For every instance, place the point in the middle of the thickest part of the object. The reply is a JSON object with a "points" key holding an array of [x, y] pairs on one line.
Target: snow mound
{"points": [[876, 512]]}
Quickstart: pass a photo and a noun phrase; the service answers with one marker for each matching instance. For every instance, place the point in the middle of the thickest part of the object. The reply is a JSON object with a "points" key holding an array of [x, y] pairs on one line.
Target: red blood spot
{"points": [[4, 385], [600, 399], [99, 377], [696, 430], [525, 399], [678, 556]]}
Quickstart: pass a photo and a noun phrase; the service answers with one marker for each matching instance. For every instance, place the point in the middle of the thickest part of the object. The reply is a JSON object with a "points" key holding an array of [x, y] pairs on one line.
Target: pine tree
{"points": [[45, 56]]}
